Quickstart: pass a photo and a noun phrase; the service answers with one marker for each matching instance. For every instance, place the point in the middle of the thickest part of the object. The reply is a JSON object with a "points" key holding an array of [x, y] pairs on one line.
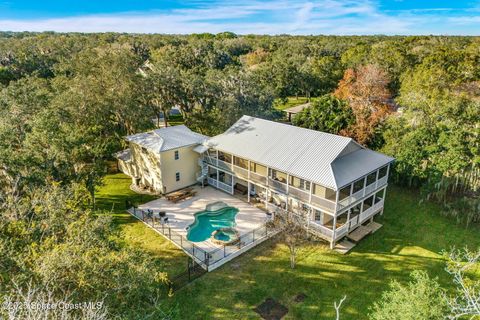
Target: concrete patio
{"points": [[181, 215]]}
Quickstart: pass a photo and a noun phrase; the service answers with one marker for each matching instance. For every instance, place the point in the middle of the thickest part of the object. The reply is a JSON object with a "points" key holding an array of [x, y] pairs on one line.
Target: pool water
{"points": [[206, 222]]}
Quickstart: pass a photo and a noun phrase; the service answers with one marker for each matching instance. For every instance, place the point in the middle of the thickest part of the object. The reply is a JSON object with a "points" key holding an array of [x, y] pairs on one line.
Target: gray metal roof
{"points": [[124, 155], [304, 153], [167, 138], [357, 164]]}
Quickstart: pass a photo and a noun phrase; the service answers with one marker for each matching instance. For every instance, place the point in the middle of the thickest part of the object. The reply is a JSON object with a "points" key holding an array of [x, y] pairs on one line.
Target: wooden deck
{"points": [[344, 246], [362, 231]]}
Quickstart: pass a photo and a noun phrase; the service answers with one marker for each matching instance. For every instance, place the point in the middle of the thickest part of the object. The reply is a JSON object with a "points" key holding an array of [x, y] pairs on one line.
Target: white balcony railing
{"points": [[258, 178], [382, 181], [341, 231], [212, 182], [321, 229], [225, 187], [298, 193], [241, 172], [370, 211], [277, 185], [224, 165], [370, 188], [323, 203]]}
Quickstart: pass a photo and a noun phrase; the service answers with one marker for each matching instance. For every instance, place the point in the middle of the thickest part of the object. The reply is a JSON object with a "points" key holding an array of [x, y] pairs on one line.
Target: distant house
{"points": [[162, 160], [293, 111]]}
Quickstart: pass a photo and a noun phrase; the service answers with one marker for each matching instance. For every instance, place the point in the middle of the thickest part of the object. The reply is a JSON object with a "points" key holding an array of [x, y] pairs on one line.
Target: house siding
{"points": [[186, 165]]}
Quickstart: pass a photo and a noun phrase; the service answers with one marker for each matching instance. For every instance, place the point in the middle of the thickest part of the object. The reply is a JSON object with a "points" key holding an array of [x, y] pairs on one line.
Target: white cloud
{"points": [[260, 17]]}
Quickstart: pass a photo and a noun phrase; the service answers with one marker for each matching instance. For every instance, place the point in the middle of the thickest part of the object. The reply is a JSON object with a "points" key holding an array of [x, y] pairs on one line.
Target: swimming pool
{"points": [[208, 221]]}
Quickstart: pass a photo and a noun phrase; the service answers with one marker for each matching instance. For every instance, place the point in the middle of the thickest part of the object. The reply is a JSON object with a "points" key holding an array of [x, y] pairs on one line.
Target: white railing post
{"points": [[364, 186], [310, 194]]}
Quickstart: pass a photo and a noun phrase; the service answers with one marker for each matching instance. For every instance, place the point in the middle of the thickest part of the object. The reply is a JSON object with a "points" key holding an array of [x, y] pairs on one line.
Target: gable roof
{"points": [[304, 153], [168, 138]]}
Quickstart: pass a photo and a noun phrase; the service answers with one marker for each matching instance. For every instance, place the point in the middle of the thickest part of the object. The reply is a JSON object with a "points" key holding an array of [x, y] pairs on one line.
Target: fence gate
{"points": [[193, 271]]}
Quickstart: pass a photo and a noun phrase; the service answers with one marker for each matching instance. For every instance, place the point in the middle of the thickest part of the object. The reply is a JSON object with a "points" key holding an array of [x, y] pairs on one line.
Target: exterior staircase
{"points": [[203, 173]]}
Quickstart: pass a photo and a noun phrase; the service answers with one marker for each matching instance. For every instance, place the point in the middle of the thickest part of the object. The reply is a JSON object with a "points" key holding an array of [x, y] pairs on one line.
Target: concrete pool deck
{"points": [[181, 215]]}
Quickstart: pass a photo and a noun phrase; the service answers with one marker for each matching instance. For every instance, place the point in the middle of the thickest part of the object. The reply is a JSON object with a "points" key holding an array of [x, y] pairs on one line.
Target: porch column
{"points": [[348, 220], [218, 175], [310, 193], [384, 194], [248, 191], [334, 227]]}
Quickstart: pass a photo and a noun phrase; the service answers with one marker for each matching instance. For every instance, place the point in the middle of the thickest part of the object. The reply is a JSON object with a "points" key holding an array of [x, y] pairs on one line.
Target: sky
{"points": [[337, 17]]}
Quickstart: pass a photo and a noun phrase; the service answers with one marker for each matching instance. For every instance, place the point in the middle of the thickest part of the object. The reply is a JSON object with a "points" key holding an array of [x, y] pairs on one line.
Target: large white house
{"points": [[330, 181]]}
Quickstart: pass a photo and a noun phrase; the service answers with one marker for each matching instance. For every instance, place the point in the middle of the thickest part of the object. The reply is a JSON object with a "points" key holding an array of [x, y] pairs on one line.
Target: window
{"points": [[344, 192], [382, 172], [240, 162], [278, 175], [318, 215], [299, 183], [358, 185], [176, 155], [379, 196], [367, 203], [177, 176], [371, 178]]}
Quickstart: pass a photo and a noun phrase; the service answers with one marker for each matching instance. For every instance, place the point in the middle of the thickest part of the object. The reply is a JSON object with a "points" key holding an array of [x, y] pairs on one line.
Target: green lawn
{"points": [[291, 102], [412, 237], [112, 197]]}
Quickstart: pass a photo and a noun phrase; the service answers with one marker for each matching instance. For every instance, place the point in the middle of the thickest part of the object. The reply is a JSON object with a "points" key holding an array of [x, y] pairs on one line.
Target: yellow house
{"points": [[162, 160]]}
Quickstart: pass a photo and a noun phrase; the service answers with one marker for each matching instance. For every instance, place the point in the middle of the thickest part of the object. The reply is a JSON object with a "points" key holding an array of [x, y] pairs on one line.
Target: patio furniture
{"points": [[241, 188]]}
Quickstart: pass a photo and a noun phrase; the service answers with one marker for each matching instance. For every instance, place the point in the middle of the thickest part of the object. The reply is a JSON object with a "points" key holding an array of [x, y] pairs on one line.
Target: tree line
{"points": [[67, 101]]}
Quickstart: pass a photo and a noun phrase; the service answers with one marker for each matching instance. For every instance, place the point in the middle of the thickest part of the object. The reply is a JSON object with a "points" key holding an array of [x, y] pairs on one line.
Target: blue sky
{"points": [[243, 17]]}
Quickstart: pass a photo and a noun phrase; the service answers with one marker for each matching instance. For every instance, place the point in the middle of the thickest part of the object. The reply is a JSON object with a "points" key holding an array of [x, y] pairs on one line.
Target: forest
{"points": [[67, 101]]}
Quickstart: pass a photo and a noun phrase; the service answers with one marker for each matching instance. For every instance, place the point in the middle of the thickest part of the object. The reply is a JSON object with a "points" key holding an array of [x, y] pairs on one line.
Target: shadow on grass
{"points": [[412, 238]]}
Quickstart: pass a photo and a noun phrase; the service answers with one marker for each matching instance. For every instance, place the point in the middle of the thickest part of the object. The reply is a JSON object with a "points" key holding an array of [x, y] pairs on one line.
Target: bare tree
{"points": [[466, 303], [338, 306], [292, 233]]}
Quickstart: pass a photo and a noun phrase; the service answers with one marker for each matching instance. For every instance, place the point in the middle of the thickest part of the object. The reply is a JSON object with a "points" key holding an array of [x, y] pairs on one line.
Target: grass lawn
{"points": [[412, 237], [291, 102], [112, 197]]}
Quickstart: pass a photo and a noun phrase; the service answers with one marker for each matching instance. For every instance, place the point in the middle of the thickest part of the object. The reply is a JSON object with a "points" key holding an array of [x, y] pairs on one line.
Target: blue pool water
{"points": [[207, 222]]}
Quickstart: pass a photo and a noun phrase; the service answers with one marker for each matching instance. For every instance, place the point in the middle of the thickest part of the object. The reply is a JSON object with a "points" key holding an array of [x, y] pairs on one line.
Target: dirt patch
{"points": [[271, 309], [300, 297]]}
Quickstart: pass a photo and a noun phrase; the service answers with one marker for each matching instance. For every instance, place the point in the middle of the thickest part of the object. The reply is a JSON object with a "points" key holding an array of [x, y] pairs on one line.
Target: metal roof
{"points": [[124, 155], [168, 138], [304, 153], [357, 164]]}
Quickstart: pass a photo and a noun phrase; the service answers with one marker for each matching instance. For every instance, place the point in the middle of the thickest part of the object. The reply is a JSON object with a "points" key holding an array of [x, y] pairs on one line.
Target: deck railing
{"points": [[198, 254], [370, 211], [277, 185], [241, 172], [224, 165], [258, 178], [298, 193], [225, 187], [323, 203], [341, 231]]}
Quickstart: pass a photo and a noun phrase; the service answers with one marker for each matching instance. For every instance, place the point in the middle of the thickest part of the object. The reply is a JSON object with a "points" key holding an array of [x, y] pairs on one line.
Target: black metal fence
{"points": [[206, 259]]}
